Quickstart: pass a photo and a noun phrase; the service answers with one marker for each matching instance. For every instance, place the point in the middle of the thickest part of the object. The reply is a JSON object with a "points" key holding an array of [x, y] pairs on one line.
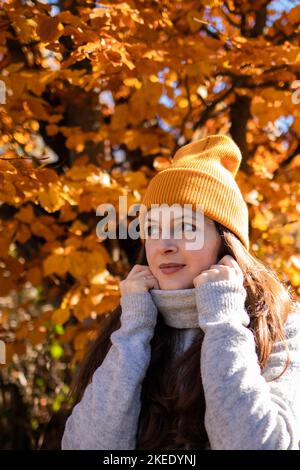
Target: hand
{"points": [[227, 269], [135, 281]]}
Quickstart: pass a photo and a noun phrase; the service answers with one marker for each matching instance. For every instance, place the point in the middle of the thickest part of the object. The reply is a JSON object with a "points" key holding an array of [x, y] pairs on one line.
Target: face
{"points": [[176, 249]]}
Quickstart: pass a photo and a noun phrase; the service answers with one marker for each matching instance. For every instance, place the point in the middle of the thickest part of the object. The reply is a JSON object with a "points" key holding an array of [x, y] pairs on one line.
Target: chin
{"points": [[172, 286]]}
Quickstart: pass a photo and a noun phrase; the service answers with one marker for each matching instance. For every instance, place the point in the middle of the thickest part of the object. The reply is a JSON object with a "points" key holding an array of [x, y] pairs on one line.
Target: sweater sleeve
{"points": [[106, 418], [244, 409]]}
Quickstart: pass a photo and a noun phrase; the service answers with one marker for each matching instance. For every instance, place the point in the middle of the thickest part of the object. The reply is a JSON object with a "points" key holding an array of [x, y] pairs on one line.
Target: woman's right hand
{"points": [[135, 282]]}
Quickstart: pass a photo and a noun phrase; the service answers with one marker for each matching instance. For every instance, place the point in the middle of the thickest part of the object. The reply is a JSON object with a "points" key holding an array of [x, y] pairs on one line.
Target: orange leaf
{"points": [[61, 315], [25, 214], [49, 29]]}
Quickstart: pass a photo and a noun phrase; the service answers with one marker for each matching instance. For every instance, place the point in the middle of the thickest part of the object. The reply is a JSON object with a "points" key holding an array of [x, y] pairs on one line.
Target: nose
{"points": [[167, 245]]}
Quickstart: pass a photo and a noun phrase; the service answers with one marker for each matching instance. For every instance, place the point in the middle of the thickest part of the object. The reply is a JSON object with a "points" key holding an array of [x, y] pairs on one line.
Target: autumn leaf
{"points": [[97, 101], [61, 315], [49, 29]]}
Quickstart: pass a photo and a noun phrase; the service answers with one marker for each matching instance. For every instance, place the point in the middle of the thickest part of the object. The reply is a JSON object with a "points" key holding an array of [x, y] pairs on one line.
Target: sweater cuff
{"points": [[221, 301], [139, 308]]}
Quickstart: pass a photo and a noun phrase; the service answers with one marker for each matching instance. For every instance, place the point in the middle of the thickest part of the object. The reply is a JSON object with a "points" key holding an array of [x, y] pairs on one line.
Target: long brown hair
{"points": [[172, 397]]}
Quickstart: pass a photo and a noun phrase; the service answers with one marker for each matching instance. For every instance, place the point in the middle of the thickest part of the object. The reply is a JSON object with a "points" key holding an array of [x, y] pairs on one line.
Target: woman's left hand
{"points": [[227, 269]]}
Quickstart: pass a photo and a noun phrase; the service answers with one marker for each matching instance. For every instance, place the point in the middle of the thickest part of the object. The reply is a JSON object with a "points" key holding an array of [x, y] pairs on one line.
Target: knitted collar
{"points": [[178, 307]]}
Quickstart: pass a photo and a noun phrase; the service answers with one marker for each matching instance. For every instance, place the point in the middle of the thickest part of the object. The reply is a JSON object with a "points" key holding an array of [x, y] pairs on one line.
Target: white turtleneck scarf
{"points": [[179, 310]]}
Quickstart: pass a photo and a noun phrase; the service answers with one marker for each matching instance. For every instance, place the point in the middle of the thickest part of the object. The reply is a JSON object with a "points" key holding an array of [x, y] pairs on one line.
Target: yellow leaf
{"points": [[34, 275], [6, 167], [20, 137], [293, 16], [83, 309], [287, 240], [37, 107], [183, 103], [23, 233], [135, 179], [294, 275], [78, 172], [41, 230], [78, 227], [52, 129], [36, 336], [107, 303], [49, 29], [61, 315], [261, 221], [133, 82], [51, 199], [55, 264], [46, 175], [25, 214]]}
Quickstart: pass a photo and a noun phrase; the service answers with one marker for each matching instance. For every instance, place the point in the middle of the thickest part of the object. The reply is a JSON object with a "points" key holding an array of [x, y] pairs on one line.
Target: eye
{"points": [[150, 229], [183, 227], [187, 225]]}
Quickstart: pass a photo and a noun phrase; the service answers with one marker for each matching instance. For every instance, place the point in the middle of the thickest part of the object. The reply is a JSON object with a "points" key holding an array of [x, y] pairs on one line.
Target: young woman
{"points": [[202, 356]]}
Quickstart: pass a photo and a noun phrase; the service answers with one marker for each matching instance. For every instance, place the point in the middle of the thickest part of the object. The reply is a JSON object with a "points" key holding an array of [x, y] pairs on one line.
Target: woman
{"points": [[205, 356]]}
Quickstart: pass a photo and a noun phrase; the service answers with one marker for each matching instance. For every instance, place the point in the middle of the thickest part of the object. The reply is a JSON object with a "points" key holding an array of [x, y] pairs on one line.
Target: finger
{"points": [[143, 277], [227, 259], [144, 273], [155, 284], [211, 269], [218, 266], [150, 282], [138, 267]]}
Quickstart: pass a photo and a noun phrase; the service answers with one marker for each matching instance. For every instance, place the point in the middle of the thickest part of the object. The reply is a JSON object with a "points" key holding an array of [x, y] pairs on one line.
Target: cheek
{"points": [[193, 257], [198, 260], [150, 253]]}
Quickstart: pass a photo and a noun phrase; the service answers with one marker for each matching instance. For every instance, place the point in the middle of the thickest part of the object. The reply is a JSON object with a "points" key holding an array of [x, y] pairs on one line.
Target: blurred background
{"points": [[95, 98]]}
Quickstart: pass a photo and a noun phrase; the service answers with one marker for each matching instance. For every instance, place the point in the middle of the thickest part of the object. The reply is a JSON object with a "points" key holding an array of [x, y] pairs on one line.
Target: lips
{"points": [[171, 268], [169, 265]]}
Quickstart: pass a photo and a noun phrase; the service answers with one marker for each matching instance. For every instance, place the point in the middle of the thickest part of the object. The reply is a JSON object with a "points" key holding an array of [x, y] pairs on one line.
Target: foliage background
{"points": [[99, 96]]}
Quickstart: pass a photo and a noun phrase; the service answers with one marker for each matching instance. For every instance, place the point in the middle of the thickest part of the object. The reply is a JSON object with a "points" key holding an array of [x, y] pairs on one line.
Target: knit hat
{"points": [[203, 172]]}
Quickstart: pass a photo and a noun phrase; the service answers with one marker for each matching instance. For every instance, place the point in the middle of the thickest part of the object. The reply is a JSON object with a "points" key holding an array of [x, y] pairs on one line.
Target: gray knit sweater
{"points": [[244, 410]]}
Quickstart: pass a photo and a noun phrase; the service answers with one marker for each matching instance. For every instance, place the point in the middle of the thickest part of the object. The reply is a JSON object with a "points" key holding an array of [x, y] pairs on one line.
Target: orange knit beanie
{"points": [[203, 172]]}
